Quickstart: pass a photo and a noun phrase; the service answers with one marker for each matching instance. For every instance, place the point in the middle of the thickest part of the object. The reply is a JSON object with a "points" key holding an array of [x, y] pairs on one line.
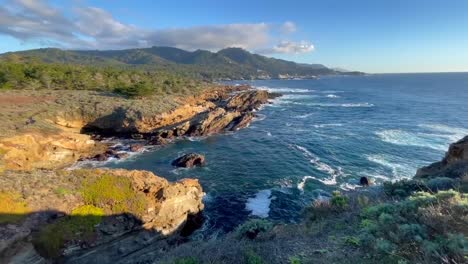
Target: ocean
{"points": [[321, 135]]}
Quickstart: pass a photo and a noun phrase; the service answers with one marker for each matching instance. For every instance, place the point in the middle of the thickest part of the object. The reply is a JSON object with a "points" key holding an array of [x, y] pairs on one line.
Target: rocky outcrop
{"points": [[210, 113], [167, 207], [37, 150], [453, 168], [229, 115], [453, 165], [189, 160]]}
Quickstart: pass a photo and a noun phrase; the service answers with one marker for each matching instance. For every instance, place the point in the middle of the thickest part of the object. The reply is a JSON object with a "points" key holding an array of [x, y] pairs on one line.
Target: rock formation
{"points": [[167, 207], [189, 160], [453, 167]]}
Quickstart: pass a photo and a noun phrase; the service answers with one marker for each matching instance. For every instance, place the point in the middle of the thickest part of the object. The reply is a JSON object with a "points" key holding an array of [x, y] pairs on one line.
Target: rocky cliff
{"points": [[454, 165], [122, 206], [71, 119]]}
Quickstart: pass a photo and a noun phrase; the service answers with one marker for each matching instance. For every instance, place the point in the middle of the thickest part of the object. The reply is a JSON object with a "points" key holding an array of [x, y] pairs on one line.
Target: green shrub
{"points": [[253, 258], [252, 228], [339, 201], [140, 89], [295, 260], [404, 188], [441, 183], [429, 223], [113, 193], [352, 240], [79, 226]]}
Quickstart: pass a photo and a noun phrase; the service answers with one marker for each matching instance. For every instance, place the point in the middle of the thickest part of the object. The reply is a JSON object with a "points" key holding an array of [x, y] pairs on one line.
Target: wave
{"points": [[348, 186], [400, 169], [301, 184], [332, 96], [259, 117], [451, 133], [284, 89], [321, 166], [404, 138], [337, 105], [291, 97], [327, 125], [260, 204], [358, 105], [304, 115]]}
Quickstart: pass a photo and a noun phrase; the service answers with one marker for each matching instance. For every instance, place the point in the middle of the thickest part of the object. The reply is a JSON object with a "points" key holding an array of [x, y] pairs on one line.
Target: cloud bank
{"points": [[95, 28]]}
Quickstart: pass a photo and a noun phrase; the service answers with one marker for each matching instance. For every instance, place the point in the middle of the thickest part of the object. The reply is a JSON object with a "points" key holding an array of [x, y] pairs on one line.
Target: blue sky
{"points": [[371, 36]]}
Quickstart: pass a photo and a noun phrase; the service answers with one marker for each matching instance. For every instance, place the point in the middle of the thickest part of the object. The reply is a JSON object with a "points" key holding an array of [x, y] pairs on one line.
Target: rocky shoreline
{"points": [[52, 199]]}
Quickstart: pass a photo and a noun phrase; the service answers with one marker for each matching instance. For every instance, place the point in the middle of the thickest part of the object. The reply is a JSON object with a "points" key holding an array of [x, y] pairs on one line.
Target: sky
{"points": [[375, 36]]}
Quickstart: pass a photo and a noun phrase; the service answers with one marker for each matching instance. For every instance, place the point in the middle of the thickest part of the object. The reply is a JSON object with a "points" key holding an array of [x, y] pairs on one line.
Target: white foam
{"points": [[358, 105], [321, 166], [400, 169], [348, 105], [348, 186], [259, 117], [327, 125], [304, 115], [404, 138], [284, 89], [451, 133], [292, 97], [269, 134], [332, 96], [301, 184], [260, 204]]}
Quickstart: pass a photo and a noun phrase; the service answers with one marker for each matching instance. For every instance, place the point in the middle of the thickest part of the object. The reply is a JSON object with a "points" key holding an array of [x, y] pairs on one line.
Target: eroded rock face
{"points": [[189, 160], [454, 164], [47, 151], [167, 208]]}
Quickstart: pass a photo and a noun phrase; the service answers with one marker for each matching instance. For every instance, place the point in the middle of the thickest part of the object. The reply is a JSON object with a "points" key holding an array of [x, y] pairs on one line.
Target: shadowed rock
{"points": [[189, 160]]}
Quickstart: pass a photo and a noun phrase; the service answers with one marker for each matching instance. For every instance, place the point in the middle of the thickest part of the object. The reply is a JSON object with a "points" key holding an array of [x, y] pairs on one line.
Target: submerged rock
{"points": [[189, 160]]}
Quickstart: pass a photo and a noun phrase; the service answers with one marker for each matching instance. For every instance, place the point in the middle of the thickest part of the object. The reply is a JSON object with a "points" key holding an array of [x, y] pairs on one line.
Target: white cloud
{"points": [[290, 47], [95, 28]]}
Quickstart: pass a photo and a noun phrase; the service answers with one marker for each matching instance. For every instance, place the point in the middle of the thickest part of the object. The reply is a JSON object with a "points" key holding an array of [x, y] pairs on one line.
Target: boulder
{"points": [[136, 147], [364, 181], [158, 140], [189, 160], [101, 157]]}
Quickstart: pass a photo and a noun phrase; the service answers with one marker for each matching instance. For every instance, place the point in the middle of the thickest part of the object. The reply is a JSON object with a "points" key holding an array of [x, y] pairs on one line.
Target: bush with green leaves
{"points": [[140, 89], [252, 228], [404, 188], [339, 201], [425, 226]]}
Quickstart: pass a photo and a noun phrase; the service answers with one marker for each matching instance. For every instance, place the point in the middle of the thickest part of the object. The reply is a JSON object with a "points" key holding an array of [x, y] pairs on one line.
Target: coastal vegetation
{"points": [[229, 63]]}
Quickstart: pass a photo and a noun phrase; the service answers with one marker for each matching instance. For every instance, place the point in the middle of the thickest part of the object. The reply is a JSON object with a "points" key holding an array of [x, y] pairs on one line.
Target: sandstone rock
{"points": [[189, 160], [453, 165], [247, 101], [37, 150], [158, 140], [241, 122]]}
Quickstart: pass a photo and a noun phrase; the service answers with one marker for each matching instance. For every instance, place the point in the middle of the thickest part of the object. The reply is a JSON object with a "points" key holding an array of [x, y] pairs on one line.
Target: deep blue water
{"points": [[322, 135]]}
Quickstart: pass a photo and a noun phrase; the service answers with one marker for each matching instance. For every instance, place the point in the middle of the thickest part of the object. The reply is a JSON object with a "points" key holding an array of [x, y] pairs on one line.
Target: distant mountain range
{"points": [[229, 63]]}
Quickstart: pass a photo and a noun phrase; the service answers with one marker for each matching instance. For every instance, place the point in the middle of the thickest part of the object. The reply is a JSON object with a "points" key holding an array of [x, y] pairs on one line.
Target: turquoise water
{"points": [[322, 135]]}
